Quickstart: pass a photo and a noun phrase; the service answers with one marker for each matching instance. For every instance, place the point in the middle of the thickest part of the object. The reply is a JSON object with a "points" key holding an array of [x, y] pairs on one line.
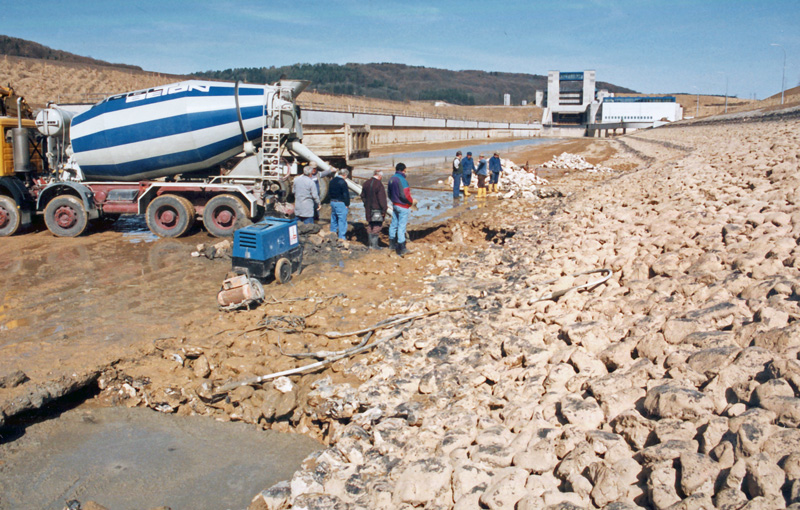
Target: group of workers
{"points": [[463, 168], [306, 191], [307, 202]]}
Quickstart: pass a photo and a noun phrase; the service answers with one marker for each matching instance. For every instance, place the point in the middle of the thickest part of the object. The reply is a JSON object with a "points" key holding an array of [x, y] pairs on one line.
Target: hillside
{"points": [[16, 47], [41, 81], [401, 82]]}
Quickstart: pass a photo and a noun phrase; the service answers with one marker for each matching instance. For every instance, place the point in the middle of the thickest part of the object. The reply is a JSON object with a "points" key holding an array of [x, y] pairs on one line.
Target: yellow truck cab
{"points": [[16, 204]]}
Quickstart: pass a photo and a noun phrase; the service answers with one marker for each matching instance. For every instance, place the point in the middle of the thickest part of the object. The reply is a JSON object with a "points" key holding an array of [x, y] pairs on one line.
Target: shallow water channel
{"points": [[136, 458]]}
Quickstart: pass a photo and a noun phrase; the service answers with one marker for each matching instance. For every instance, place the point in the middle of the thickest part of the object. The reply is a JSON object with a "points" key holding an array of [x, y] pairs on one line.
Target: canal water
{"points": [[428, 172]]}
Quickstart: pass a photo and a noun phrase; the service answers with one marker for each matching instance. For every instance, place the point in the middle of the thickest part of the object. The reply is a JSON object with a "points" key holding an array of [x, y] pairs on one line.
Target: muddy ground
{"points": [[69, 308], [137, 316]]}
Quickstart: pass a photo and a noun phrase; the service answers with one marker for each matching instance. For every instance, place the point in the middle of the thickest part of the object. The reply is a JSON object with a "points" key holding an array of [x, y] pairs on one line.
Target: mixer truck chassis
{"points": [[141, 152]]}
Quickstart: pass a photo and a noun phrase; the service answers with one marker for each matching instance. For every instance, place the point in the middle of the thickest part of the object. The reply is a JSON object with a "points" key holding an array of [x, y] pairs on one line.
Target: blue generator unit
{"points": [[268, 249]]}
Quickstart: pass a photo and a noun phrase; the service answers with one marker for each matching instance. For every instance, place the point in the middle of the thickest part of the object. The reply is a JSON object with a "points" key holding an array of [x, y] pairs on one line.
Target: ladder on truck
{"points": [[271, 139]]}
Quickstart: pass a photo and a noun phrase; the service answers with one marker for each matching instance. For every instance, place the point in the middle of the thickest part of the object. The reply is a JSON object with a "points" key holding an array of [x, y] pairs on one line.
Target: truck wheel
{"points": [[223, 215], [169, 216], [9, 216], [65, 216], [283, 271]]}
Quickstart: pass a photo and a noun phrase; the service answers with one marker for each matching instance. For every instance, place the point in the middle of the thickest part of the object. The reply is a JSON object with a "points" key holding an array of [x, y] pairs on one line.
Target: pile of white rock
{"points": [[519, 182], [567, 161]]}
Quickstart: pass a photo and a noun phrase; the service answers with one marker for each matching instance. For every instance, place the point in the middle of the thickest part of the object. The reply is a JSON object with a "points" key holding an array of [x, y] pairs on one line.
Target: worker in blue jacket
{"points": [[494, 168], [467, 166], [482, 171]]}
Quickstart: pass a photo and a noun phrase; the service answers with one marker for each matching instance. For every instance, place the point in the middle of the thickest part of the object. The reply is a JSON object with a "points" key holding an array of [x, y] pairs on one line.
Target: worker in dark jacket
{"points": [[400, 196], [374, 197], [457, 172], [467, 166], [339, 194]]}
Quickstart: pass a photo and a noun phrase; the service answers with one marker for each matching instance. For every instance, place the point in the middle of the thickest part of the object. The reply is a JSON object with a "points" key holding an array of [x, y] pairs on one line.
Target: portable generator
{"points": [[268, 249]]}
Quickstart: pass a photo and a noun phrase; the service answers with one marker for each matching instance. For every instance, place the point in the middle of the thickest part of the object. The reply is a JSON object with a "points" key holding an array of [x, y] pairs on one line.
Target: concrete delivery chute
{"points": [[219, 150]]}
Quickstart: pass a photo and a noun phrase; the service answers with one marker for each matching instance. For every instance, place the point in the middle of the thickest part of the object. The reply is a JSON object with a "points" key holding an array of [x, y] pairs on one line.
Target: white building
{"points": [[639, 109]]}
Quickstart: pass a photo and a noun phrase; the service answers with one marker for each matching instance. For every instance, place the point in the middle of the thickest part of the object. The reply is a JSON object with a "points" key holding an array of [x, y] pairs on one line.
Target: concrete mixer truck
{"points": [[216, 150]]}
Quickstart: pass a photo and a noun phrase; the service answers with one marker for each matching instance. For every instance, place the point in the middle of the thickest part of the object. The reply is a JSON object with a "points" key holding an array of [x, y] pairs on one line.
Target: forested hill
{"points": [[401, 82], [16, 47]]}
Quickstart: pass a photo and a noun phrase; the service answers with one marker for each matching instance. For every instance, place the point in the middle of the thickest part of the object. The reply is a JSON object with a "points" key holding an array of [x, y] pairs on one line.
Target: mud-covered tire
{"points": [[10, 217], [65, 216], [225, 214], [283, 271], [170, 216]]}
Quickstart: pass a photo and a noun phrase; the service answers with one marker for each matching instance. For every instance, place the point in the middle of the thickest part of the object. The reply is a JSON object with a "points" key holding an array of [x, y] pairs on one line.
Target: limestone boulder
{"points": [[669, 401]]}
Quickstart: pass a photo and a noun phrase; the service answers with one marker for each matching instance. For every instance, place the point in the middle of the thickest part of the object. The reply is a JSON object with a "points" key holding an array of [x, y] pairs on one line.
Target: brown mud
{"points": [[137, 317], [119, 298]]}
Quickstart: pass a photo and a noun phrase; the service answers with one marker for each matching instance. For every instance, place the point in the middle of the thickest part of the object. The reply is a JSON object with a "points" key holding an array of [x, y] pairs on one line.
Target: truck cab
{"points": [[17, 206]]}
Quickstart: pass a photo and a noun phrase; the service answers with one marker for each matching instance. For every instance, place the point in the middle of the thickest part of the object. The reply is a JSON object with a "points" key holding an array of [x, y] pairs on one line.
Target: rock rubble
{"points": [[673, 385], [567, 161]]}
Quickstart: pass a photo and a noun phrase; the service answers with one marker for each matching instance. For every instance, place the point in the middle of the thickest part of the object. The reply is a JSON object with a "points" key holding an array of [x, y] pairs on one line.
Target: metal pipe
{"points": [[304, 152], [19, 112]]}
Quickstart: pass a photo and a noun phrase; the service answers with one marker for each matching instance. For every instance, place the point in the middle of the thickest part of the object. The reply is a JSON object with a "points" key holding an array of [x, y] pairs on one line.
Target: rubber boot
{"points": [[466, 191], [392, 244], [401, 249], [373, 242]]}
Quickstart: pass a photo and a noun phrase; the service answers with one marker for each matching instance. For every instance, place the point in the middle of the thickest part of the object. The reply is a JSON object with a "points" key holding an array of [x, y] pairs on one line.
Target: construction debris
{"points": [[239, 292], [567, 161]]}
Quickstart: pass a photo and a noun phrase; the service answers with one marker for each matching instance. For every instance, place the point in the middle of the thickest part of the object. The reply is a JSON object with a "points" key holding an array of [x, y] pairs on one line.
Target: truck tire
{"points": [[169, 216], [9, 216], [224, 214], [283, 271], [65, 216]]}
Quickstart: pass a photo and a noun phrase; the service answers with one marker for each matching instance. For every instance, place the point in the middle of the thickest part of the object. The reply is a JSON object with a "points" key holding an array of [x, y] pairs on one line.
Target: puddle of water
{"points": [[134, 229], [137, 458]]}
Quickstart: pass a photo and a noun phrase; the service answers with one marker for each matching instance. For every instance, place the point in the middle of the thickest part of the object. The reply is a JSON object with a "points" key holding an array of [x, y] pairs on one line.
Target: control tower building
{"points": [[569, 95]]}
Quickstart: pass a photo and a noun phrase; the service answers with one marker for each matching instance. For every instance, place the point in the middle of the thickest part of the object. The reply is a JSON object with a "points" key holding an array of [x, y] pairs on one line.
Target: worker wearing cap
{"points": [[400, 196], [467, 167], [494, 168], [457, 171]]}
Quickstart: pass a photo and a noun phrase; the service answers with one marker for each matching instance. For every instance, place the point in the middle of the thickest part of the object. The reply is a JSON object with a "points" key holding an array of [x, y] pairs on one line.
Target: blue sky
{"points": [[649, 46]]}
